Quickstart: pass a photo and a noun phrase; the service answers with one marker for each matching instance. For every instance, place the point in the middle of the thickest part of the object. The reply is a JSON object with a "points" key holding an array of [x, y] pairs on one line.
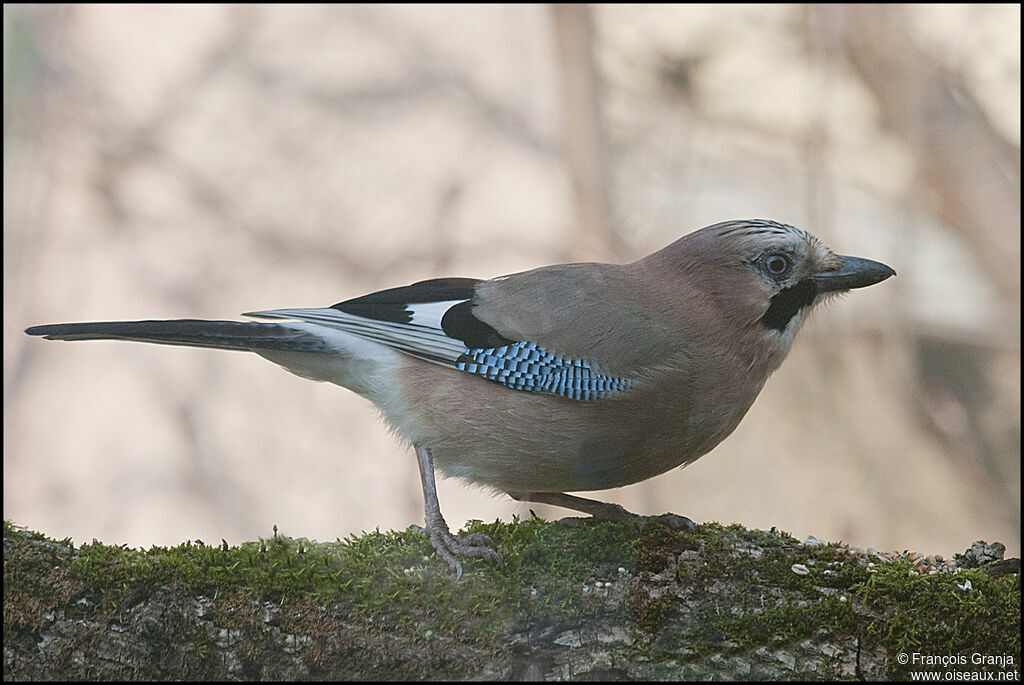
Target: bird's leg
{"points": [[605, 511], [602, 511], [449, 546]]}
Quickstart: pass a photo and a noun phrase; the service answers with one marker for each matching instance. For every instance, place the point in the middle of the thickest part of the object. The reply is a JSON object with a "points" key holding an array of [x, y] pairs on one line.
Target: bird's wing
{"points": [[438, 321], [615, 315]]}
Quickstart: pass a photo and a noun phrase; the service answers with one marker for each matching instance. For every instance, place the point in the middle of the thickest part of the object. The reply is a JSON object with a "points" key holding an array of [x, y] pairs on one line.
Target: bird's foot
{"points": [[472, 546], [448, 546]]}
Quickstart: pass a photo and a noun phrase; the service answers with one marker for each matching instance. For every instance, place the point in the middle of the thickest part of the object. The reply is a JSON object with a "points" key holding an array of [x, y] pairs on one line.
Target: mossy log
{"points": [[575, 600]]}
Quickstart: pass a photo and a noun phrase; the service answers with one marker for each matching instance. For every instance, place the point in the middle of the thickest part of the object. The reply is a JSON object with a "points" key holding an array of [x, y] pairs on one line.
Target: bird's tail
{"points": [[223, 335]]}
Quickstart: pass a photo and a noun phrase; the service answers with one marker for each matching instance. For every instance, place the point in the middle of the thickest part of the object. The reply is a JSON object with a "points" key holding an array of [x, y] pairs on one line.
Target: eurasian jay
{"points": [[565, 378]]}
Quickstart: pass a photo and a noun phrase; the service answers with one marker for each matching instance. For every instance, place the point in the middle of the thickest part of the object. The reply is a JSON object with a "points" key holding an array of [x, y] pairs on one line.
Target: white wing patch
{"points": [[429, 314]]}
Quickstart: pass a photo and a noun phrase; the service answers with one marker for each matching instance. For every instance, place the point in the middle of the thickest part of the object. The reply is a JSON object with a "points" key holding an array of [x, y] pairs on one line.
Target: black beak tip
{"points": [[877, 272], [855, 272]]}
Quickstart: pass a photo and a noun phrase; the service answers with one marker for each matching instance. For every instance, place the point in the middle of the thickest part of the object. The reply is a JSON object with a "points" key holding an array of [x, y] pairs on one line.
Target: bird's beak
{"points": [[853, 273]]}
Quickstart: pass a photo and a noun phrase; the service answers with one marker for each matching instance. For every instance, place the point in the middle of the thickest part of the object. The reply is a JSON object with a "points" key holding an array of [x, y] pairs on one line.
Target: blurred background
{"points": [[202, 161]]}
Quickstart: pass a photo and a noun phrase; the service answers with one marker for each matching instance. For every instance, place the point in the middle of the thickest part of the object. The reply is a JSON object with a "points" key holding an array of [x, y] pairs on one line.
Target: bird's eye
{"points": [[777, 264]]}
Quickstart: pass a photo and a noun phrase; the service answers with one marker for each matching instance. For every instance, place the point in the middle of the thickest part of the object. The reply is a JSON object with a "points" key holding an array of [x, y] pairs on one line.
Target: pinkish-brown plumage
{"points": [[571, 377]]}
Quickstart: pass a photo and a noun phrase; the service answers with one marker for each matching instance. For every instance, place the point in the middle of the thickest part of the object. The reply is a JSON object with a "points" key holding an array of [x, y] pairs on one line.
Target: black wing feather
{"points": [[392, 304], [459, 322]]}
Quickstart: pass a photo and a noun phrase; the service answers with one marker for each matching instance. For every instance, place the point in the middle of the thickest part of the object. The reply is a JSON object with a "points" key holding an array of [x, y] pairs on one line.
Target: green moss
{"points": [[890, 605], [687, 595], [944, 614], [545, 569]]}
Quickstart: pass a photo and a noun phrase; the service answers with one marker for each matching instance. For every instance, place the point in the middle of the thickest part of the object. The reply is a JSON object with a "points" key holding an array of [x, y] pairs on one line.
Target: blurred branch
{"points": [[430, 73], [971, 172], [822, 43], [583, 132]]}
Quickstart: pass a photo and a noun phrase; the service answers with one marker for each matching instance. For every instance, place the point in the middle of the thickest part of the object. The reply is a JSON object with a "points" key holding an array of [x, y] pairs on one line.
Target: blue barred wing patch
{"points": [[529, 367]]}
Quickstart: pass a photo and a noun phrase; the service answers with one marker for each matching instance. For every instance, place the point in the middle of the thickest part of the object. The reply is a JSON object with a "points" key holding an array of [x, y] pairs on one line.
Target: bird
{"points": [[564, 378]]}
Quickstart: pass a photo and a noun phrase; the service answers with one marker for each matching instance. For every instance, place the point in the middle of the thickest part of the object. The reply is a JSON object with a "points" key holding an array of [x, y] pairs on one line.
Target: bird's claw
{"points": [[472, 545]]}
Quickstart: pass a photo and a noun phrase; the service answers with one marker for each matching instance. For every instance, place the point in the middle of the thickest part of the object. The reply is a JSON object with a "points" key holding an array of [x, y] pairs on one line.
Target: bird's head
{"points": [[764, 276]]}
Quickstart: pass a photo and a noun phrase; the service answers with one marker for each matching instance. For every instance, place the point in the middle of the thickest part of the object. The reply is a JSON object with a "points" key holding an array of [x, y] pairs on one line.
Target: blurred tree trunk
{"points": [[583, 140]]}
